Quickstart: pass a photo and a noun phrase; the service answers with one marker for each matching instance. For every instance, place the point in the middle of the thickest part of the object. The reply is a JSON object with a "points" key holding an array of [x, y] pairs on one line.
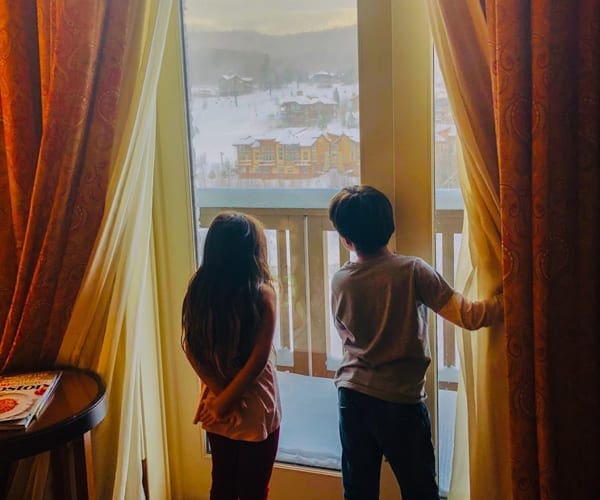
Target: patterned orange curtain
{"points": [[60, 77], [546, 85]]}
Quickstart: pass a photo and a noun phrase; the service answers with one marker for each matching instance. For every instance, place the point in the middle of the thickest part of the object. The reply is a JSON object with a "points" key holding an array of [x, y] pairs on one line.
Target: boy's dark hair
{"points": [[363, 216]]}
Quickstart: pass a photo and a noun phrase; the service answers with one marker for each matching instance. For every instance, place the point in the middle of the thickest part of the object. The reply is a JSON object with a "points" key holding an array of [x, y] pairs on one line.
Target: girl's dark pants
{"points": [[241, 469], [371, 428]]}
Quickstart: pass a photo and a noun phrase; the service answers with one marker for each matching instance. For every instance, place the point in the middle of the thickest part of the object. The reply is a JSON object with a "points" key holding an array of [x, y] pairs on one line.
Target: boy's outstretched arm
{"points": [[473, 314], [215, 409]]}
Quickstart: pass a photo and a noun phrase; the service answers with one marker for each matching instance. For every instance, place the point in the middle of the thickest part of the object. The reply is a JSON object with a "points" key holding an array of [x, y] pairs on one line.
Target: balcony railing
{"points": [[304, 252]]}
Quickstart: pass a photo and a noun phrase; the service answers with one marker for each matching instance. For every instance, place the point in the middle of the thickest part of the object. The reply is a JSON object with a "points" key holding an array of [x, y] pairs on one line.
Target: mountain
{"points": [[269, 59]]}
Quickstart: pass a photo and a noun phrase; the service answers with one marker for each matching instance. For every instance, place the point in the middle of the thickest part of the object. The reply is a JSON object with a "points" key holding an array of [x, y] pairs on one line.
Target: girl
{"points": [[228, 327]]}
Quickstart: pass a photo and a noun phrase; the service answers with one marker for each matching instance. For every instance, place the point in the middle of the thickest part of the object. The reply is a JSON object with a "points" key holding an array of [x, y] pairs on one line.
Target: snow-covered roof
{"points": [[231, 77], [298, 136], [322, 73], [245, 141], [300, 99], [305, 101], [352, 133]]}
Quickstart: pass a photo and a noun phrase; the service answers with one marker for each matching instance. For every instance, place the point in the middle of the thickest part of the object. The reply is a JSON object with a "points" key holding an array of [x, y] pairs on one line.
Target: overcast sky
{"points": [[273, 17]]}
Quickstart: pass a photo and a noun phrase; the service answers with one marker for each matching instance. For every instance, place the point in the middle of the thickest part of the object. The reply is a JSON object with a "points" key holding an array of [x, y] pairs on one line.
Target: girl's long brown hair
{"points": [[223, 304]]}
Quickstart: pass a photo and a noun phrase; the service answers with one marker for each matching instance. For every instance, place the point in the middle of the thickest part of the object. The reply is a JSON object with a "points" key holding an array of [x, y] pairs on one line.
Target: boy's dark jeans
{"points": [[371, 428]]}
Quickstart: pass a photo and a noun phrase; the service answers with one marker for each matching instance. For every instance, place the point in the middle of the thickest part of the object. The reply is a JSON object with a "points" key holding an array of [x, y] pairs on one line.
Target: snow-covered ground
{"points": [[309, 430], [217, 123]]}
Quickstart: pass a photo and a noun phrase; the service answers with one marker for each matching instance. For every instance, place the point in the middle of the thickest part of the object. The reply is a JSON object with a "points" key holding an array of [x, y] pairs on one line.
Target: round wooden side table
{"points": [[77, 406]]}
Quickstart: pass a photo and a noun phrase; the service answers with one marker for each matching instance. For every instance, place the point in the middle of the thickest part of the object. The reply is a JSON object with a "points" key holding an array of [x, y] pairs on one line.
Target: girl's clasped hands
{"points": [[211, 410]]}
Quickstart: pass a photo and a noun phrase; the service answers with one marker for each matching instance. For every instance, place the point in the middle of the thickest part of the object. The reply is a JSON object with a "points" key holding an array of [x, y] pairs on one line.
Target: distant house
{"points": [[203, 92], [298, 153], [324, 78], [234, 85], [303, 111]]}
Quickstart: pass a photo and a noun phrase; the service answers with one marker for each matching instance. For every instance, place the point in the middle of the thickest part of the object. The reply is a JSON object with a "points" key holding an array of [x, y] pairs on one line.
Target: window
{"points": [[305, 94], [292, 153], [258, 79], [265, 140], [448, 229]]}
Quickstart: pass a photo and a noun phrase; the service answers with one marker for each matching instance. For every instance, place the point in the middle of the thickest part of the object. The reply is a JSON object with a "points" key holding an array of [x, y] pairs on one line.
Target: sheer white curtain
{"points": [[114, 325], [481, 454]]}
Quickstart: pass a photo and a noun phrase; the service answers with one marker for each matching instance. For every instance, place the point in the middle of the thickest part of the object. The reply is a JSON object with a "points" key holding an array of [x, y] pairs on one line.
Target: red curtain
{"points": [[61, 66], [546, 85]]}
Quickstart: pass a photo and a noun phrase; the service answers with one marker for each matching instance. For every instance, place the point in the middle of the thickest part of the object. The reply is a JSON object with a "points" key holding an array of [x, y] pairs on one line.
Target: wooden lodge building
{"points": [[298, 153]]}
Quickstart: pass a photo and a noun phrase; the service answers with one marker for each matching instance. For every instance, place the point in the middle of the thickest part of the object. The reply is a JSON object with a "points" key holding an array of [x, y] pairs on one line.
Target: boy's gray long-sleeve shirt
{"points": [[380, 311]]}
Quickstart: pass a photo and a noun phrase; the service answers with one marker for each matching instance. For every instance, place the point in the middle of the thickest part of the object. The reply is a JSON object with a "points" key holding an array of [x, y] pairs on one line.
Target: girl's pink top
{"points": [[260, 413]]}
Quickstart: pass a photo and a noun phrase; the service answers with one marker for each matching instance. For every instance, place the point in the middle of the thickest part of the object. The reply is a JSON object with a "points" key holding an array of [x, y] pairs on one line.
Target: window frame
{"points": [[396, 108]]}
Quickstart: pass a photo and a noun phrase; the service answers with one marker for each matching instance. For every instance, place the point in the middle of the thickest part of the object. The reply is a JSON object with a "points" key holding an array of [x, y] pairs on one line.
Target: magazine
{"points": [[24, 396]]}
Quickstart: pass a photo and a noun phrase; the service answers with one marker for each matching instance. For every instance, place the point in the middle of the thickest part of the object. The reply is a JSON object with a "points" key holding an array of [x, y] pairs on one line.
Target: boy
{"points": [[379, 305]]}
